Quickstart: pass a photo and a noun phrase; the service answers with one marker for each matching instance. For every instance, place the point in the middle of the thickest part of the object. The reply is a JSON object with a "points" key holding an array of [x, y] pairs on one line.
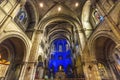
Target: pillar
{"points": [[32, 63], [85, 18], [82, 39]]}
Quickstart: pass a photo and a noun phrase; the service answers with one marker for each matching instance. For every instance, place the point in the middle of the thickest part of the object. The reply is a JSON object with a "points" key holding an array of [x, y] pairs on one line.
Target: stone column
{"points": [[111, 70], [79, 60], [82, 39], [85, 18], [22, 73], [32, 63]]}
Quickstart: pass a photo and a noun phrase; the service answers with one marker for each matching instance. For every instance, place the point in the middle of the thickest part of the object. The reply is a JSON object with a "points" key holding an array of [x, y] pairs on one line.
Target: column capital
{"points": [[39, 31]]}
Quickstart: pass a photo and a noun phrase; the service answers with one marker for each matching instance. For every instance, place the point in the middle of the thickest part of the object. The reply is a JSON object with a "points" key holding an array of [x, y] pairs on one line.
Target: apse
{"points": [[60, 56]]}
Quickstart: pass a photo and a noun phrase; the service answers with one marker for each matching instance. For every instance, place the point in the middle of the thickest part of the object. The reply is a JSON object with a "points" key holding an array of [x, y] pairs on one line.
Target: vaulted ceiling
{"points": [[46, 5], [56, 18], [64, 8]]}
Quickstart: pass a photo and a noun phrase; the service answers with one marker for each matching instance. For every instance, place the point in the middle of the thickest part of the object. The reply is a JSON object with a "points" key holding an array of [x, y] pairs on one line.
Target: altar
{"points": [[60, 75]]}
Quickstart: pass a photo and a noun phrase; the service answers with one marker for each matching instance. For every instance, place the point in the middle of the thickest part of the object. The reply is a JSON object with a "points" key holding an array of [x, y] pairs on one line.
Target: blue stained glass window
{"points": [[101, 18], [62, 55], [22, 16], [60, 48]]}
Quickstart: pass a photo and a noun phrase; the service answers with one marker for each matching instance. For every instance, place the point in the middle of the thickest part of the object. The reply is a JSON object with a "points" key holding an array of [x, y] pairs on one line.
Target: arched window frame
{"points": [[21, 18], [22, 12], [97, 17]]}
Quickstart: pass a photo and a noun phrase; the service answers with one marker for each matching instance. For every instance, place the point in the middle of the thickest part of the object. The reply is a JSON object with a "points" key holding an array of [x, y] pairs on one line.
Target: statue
{"points": [[60, 74], [60, 68]]}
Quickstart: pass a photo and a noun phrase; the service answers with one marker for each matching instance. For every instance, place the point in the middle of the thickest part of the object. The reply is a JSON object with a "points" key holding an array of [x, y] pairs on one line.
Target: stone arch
{"points": [[16, 46], [32, 12], [45, 22], [65, 31], [107, 34], [62, 17], [102, 48], [19, 36], [72, 21]]}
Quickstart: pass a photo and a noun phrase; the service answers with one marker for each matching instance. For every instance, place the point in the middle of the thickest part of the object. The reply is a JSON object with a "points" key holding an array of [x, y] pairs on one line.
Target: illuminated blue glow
{"points": [[60, 55]]}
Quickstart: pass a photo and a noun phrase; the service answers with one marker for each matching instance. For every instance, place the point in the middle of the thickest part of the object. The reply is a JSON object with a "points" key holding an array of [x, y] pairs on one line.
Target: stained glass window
{"points": [[97, 16], [22, 15], [60, 48], [67, 47], [21, 18]]}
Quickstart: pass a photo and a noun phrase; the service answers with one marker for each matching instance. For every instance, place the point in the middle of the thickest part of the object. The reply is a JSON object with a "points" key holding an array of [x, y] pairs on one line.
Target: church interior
{"points": [[59, 39]]}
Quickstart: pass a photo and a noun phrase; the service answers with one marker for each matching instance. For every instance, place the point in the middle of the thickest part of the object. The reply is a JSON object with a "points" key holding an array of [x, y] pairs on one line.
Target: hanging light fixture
{"points": [[41, 5], [59, 9], [76, 4]]}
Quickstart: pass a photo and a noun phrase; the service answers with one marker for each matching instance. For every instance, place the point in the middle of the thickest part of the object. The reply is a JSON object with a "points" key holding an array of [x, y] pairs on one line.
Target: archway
{"points": [[107, 58], [12, 52], [59, 36], [61, 26]]}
